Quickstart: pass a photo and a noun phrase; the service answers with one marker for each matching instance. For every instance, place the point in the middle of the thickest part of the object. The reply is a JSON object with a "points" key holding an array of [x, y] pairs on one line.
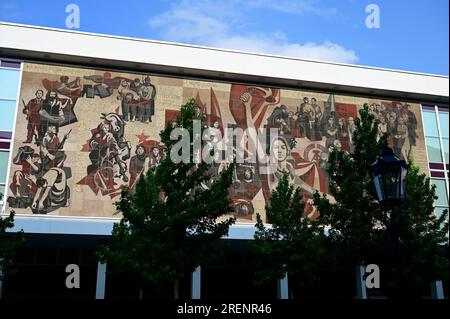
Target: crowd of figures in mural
{"points": [[41, 181], [112, 165], [307, 128], [306, 134]]}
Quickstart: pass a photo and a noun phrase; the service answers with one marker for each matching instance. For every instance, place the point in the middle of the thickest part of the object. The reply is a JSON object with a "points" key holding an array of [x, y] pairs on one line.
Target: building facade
{"points": [[81, 122]]}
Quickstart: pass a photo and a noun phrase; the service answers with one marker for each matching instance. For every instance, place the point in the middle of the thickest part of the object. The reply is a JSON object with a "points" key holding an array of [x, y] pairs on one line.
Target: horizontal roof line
{"points": [[219, 49], [82, 49]]}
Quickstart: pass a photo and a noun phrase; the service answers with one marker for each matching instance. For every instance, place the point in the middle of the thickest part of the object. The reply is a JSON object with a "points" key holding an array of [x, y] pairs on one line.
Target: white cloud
{"points": [[293, 7], [219, 24], [327, 51], [189, 24]]}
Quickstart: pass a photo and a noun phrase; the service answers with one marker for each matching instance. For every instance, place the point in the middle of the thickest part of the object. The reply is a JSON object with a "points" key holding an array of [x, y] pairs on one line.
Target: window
{"points": [[9, 84], [436, 127]]}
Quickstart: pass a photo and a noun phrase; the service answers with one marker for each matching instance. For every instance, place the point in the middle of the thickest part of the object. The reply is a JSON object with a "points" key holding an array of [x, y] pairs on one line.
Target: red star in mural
{"points": [[142, 137]]}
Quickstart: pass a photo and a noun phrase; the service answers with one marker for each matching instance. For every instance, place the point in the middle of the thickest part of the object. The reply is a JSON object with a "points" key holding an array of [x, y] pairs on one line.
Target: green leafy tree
{"points": [[354, 214], [292, 243], [8, 242], [172, 221], [362, 229], [424, 236]]}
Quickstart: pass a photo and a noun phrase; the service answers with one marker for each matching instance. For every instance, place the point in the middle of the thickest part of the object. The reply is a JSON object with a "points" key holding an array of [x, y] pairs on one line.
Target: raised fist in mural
{"points": [[245, 97]]}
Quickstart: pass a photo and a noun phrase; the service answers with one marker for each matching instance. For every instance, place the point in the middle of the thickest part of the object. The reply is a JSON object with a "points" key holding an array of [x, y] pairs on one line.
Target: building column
{"points": [[196, 281], [283, 288], [437, 291], [101, 281], [361, 292]]}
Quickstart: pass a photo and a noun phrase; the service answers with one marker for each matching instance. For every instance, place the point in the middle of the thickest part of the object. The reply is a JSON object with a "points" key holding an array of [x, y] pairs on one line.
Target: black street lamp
{"points": [[389, 178]]}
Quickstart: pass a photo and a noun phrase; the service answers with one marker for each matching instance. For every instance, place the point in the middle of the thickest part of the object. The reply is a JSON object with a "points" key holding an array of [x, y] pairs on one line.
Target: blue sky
{"points": [[413, 35]]}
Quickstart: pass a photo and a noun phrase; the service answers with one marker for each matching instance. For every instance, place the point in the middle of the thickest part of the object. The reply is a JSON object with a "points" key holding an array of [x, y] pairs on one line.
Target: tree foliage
{"points": [[424, 236], [8, 242], [172, 220], [292, 243], [362, 229], [354, 215]]}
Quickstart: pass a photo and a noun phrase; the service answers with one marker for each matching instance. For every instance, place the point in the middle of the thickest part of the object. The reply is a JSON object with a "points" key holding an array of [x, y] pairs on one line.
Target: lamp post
{"points": [[389, 178]]}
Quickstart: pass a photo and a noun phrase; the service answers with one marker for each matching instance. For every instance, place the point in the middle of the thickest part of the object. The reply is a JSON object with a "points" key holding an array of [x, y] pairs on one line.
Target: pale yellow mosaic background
{"points": [[171, 93]]}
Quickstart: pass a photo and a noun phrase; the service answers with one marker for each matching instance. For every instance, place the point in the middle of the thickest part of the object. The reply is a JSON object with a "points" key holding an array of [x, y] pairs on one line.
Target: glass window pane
{"points": [[9, 83], [434, 149], [443, 122], [439, 210], [7, 113], [4, 158], [429, 123], [445, 146], [441, 192]]}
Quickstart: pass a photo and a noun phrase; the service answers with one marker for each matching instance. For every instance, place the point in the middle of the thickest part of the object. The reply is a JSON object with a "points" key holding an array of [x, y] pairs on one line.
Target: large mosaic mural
{"points": [[82, 135]]}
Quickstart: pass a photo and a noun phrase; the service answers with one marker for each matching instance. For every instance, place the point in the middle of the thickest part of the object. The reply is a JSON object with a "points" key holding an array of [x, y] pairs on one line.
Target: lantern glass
{"points": [[389, 176], [379, 187], [404, 172], [391, 183]]}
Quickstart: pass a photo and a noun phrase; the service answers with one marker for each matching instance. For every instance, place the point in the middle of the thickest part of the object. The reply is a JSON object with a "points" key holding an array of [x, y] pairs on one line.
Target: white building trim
{"points": [[38, 43], [96, 226]]}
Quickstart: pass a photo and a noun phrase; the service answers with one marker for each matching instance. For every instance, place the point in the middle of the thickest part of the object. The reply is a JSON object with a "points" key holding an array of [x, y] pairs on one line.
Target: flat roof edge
{"points": [[218, 49], [93, 50]]}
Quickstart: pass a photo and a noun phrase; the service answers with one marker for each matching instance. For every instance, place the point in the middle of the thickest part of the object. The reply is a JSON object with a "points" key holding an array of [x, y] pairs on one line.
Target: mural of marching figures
{"points": [[82, 135]]}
